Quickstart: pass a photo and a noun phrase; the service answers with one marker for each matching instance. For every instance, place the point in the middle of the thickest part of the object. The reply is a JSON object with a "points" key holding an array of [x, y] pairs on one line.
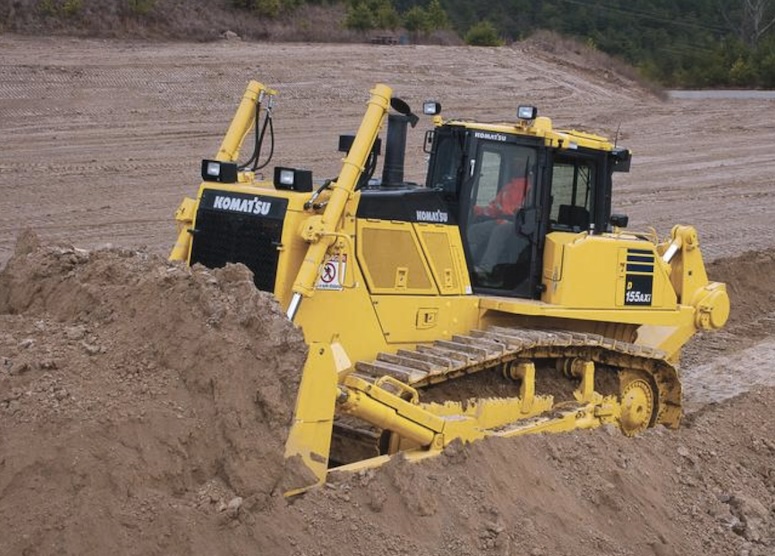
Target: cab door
{"points": [[498, 215]]}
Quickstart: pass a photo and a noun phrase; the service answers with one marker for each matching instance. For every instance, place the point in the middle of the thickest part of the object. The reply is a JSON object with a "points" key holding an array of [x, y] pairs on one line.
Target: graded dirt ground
{"points": [[144, 405]]}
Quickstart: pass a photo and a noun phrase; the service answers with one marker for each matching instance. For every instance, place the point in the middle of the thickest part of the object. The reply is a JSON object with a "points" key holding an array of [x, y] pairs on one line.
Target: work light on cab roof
{"points": [[527, 113], [431, 108]]}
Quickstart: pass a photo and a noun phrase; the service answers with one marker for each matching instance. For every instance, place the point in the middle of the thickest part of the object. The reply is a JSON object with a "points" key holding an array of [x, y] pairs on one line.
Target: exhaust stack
{"points": [[395, 150]]}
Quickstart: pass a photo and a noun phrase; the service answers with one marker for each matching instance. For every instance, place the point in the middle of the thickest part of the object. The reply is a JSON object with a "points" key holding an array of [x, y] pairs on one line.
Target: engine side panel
{"points": [[582, 271]]}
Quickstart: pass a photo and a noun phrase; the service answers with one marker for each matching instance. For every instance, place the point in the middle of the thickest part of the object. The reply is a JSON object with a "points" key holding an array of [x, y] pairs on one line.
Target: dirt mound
{"points": [[752, 316], [749, 282], [707, 489], [738, 358], [145, 406], [131, 386]]}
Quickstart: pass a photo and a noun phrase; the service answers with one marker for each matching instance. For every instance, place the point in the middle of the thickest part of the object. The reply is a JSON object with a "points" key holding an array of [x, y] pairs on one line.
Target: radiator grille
{"points": [[222, 237]]}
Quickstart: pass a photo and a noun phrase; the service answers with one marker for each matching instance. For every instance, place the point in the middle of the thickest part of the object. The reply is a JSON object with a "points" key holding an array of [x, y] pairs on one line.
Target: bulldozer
{"points": [[500, 297]]}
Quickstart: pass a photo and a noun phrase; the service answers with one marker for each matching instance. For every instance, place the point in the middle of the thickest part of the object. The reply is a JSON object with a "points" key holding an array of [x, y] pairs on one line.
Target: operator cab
{"points": [[508, 189]]}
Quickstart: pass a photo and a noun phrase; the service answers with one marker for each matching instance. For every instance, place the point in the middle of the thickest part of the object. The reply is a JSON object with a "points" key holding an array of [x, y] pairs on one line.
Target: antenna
{"points": [[616, 137]]}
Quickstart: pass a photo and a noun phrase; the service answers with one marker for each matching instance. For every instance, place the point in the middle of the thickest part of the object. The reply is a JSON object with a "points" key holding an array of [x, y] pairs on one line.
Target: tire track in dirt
{"points": [[137, 116]]}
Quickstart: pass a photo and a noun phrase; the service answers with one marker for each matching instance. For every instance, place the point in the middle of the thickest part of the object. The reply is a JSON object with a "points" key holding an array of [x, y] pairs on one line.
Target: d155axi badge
{"points": [[639, 289]]}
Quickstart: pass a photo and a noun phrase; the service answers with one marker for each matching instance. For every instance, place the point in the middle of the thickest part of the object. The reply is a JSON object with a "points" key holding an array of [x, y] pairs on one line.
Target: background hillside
{"points": [[684, 43]]}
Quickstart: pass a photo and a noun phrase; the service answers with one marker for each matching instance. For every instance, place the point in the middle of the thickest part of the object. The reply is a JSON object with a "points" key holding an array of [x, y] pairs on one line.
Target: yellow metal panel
{"points": [[437, 242], [392, 260], [346, 316], [582, 271], [588, 277], [412, 319], [542, 127], [682, 315], [552, 268]]}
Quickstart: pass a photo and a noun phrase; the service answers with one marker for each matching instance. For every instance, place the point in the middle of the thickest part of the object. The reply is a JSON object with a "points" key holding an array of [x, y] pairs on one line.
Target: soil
{"points": [[144, 405]]}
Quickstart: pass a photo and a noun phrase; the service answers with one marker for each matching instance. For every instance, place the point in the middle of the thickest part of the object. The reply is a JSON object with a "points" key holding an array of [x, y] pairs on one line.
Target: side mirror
{"points": [[427, 146], [619, 220]]}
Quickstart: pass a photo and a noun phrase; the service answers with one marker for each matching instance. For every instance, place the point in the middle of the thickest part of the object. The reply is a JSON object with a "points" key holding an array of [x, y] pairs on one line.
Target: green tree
{"points": [[359, 17], [269, 8], [141, 7], [483, 33], [416, 20], [702, 43], [742, 72], [767, 71], [386, 16], [436, 16]]}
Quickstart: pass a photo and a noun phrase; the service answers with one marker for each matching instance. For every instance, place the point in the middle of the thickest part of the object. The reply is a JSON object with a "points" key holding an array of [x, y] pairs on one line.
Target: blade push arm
{"points": [[319, 230], [243, 121]]}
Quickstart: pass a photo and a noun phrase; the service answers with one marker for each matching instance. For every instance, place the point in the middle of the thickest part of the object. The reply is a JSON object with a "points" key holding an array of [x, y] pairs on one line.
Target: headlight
{"points": [[215, 170], [431, 108], [292, 179], [527, 112]]}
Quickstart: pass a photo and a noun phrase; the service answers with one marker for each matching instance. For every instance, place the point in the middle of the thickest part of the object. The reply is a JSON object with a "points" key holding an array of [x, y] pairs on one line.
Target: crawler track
{"points": [[446, 360], [480, 350]]}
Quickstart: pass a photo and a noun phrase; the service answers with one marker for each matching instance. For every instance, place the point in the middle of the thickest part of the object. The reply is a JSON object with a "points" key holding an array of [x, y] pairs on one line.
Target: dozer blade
{"points": [[309, 441]]}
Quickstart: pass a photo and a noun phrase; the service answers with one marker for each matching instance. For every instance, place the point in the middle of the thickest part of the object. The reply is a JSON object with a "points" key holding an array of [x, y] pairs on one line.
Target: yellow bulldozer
{"points": [[499, 298]]}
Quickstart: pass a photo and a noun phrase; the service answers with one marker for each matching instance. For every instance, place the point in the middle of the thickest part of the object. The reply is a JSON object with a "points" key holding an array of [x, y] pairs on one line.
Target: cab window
{"points": [[503, 166], [572, 194], [446, 173]]}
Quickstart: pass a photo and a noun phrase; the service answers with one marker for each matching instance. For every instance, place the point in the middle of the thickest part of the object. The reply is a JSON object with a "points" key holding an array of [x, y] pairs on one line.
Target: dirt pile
{"points": [[752, 315], [722, 364], [749, 282], [145, 405], [129, 386]]}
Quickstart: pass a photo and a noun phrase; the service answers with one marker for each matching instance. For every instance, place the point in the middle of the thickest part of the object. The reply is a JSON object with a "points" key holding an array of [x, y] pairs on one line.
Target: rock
{"points": [[26, 243], [377, 499], [75, 332], [20, 367], [753, 517], [494, 527], [230, 36], [455, 453], [91, 349]]}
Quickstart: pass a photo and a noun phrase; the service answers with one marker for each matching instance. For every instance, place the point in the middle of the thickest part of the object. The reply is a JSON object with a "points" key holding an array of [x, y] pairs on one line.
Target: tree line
{"points": [[678, 43]]}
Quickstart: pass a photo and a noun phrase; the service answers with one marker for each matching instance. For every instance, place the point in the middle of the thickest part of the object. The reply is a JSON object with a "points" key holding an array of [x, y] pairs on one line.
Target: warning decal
{"points": [[331, 273]]}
